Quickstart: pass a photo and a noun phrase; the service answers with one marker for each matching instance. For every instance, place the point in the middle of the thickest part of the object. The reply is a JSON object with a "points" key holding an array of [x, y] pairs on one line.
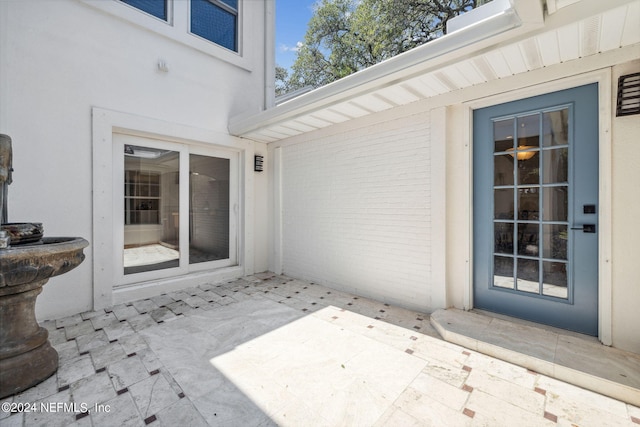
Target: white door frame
{"points": [[603, 78], [105, 124]]}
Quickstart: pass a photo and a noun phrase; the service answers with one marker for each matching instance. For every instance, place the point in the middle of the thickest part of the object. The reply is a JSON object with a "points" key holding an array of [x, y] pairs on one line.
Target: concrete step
{"points": [[574, 358]]}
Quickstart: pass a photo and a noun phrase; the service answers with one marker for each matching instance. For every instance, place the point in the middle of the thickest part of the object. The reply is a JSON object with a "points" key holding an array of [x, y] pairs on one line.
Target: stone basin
{"points": [[26, 355]]}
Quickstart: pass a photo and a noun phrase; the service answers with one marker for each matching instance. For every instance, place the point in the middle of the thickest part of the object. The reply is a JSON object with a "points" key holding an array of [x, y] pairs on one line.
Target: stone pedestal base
{"points": [[20, 372], [26, 356]]}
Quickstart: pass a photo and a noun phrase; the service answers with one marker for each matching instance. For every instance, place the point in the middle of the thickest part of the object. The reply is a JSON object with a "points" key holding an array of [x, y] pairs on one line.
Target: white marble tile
{"points": [[578, 405], [13, 420], [633, 411], [162, 300], [582, 354], [92, 340], [153, 394], [123, 312], [522, 397], [78, 329], [395, 416], [448, 395], [491, 411], [378, 368], [132, 343], [127, 372], [66, 350], [67, 321], [45, 389], [501, 369], [103, 320], [448, 373], [144, 306], [107, 354], [141, 322], [57, 336], [122, 413], [532, 341], [56, 415], [296, 412], [181, 413], [196, 379], [430, 412], [118, 330], [94, 389], [228, 406], [74, 370]]}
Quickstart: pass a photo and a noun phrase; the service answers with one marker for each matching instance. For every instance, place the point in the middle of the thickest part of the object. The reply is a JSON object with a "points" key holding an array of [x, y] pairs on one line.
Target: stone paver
{"points": [[270, 350]]}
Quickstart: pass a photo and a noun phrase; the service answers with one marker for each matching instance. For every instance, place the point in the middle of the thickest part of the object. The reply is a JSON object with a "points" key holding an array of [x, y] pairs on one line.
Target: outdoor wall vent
{"points": [[258, 163], [628, 95]]}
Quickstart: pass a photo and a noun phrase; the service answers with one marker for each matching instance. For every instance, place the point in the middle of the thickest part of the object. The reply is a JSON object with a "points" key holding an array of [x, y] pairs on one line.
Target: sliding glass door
{"points": [[178, 208]]}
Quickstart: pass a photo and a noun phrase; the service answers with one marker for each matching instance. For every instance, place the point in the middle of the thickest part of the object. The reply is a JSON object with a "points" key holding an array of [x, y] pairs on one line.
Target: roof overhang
{"points": [[496, 40]]}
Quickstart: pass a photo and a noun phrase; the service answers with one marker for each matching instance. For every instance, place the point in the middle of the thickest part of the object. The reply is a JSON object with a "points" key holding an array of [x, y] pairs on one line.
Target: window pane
{"points": [[554, 279], [528, 166], [503, 238], [157, 8], [503, 135], [214, 23], [528, 128], [556, 127], [556, 165], [555, 201], [151, 206], [528, 275], [555, 241], [208, 208], [503, 170], [503, 272], [528, 203], [528, 239], [503, 203]]}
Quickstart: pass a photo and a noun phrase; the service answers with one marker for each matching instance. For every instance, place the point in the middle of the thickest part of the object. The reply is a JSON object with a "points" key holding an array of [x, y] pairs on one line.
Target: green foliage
{"points": [[345, 36]]}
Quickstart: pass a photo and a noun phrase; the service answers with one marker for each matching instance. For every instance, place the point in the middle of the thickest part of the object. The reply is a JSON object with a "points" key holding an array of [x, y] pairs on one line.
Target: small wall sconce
{"points": [[258, 163], [628, 95]]}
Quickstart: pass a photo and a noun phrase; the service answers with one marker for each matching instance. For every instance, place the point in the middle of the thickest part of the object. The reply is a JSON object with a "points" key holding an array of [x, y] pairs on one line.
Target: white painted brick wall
{"points": [[356, 211]]}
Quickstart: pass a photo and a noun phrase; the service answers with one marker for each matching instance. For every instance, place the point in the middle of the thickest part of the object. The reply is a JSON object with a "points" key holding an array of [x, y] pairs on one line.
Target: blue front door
{"points": [[535, 204]]}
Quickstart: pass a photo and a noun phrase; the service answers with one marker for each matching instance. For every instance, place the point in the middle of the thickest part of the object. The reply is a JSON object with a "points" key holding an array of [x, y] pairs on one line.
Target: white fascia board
{"points": [[384, 73]]}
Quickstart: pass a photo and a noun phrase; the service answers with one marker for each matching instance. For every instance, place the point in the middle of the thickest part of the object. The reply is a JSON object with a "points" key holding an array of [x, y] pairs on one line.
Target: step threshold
{"points": [[567, 356]]}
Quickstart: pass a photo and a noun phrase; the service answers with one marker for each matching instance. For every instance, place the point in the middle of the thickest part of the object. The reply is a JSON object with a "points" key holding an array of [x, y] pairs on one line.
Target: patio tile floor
{"points": [[270, 350]]}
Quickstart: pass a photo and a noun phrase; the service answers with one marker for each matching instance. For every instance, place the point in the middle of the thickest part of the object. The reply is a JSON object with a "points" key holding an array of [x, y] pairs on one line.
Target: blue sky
{"points": [[292, 17]]}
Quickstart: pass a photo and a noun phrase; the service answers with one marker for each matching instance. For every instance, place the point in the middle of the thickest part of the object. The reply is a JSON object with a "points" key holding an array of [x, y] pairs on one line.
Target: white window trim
{"points": [[105, 124], [177, 27]]}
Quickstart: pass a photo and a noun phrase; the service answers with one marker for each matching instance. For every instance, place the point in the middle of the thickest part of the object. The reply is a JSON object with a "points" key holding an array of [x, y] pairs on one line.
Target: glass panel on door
{"points": [[151, 209], [208, 208], [531, 193]]}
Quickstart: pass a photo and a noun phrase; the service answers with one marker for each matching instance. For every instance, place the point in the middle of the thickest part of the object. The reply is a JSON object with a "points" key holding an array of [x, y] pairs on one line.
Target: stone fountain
{"points": [[27, 261]]}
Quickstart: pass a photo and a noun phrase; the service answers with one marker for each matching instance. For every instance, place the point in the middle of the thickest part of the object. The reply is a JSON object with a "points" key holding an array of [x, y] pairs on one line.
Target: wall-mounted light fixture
{"points": [[258, 163], [628, 95]]}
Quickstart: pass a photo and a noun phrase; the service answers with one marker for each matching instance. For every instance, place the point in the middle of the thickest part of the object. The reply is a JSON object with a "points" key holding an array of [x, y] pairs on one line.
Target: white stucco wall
{"points": [[60, 58]]}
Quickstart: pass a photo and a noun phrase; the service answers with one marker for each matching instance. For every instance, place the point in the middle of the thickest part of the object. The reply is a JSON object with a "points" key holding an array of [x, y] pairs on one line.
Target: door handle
{"points": [[586, 228]]}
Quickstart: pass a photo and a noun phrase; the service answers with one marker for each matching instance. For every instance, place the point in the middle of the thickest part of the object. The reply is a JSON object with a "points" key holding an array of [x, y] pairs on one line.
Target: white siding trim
{"points": [[437, 206]]}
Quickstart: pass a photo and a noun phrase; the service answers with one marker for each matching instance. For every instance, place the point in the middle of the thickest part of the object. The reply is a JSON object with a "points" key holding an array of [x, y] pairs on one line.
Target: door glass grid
{"points": [[531, 203]]}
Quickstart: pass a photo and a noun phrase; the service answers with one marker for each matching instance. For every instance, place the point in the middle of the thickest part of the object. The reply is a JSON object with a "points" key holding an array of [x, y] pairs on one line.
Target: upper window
{"points": [[216, 21], [157, 8]]}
